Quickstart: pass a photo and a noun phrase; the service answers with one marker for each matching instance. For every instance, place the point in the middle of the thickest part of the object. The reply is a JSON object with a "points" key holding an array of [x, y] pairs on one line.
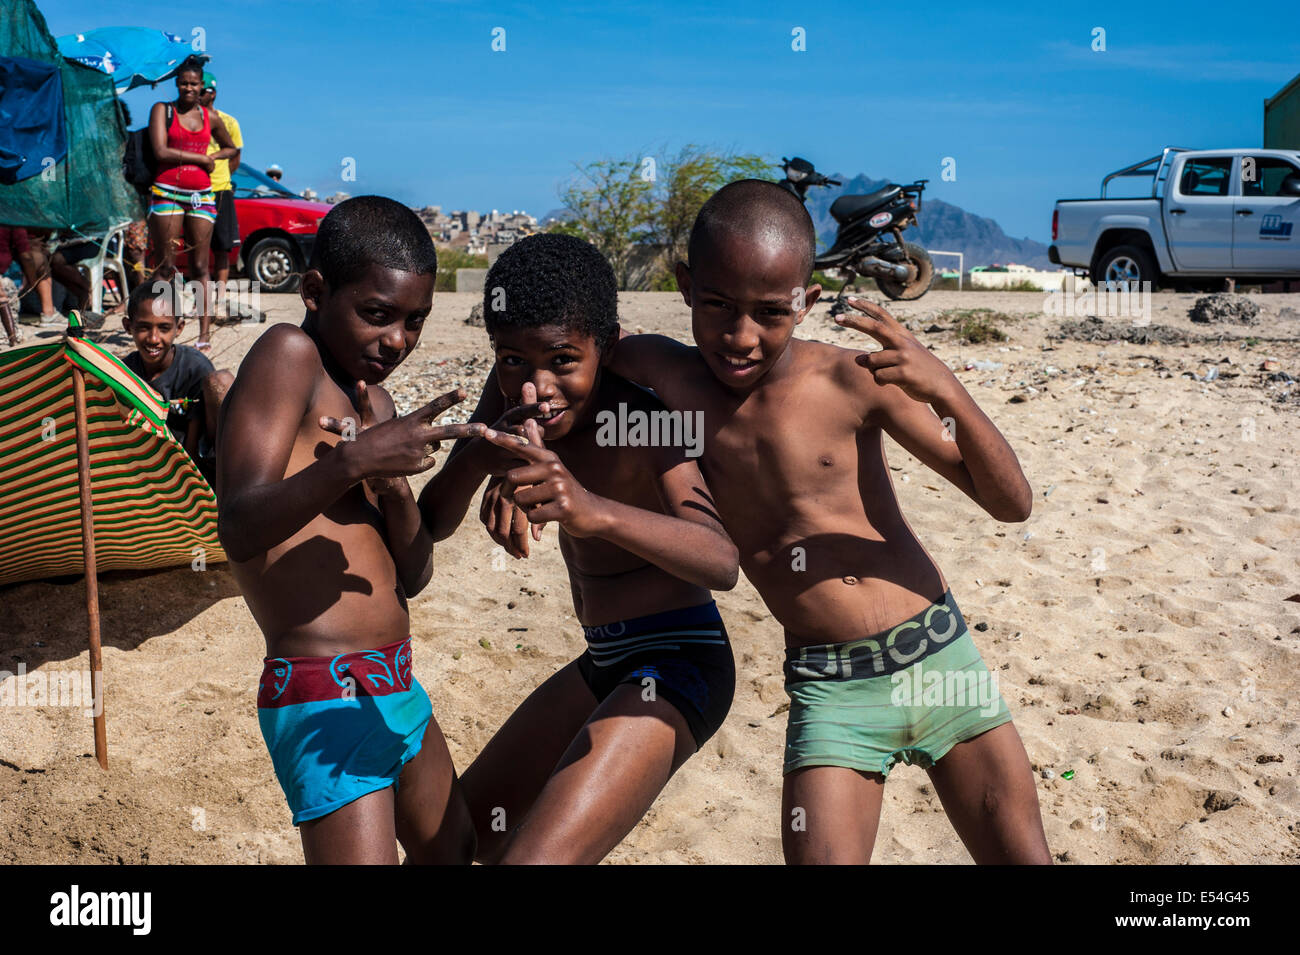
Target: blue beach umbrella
{"points": [[133, 56]]}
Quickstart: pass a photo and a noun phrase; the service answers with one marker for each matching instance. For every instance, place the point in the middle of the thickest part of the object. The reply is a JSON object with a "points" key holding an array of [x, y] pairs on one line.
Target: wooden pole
{"points": [[88, 555]]}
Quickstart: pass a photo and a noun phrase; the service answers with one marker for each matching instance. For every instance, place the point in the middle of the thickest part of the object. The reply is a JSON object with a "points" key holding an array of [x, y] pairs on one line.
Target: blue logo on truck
{"points": [[1272, 226]]}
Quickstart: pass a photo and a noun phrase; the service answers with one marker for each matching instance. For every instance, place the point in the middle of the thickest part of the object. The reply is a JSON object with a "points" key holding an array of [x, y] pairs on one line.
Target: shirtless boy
{"points": [[792, 447], [583, 757], [326, 542]]}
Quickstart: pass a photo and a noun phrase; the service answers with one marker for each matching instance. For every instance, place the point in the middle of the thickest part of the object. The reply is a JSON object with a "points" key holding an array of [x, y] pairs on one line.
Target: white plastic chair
{"points": [[104, 261]]}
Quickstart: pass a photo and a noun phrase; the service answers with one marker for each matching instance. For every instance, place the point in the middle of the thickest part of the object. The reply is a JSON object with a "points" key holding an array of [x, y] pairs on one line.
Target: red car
{"points": [[276, 228]]}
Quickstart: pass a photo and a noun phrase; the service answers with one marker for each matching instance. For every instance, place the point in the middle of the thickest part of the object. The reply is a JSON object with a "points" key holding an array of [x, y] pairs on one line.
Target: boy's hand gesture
{"points": [[385, 452], [543, 488], [904, 361], [497, 459]]}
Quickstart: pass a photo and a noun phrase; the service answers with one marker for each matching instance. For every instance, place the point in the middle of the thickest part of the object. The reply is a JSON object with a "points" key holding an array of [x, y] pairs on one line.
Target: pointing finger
{"points": [[881, 359], [440, 404], [364, 406], [334, 425], [516, 443], [518, 415], [874, 321], [449, 432], [533, 431]]}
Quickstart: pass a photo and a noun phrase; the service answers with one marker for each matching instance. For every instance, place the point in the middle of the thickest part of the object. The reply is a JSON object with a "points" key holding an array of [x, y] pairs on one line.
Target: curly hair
{"points": [[552, 279]]}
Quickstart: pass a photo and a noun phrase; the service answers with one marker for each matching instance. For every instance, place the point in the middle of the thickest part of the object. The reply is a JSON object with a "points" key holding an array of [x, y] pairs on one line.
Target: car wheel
{"points": [[1125, 265], [274, 264]]}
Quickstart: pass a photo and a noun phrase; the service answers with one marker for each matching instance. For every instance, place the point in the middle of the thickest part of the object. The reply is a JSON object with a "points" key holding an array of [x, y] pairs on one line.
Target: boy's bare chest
{"points": [[314, 442], [619, 473], [775, 445]]}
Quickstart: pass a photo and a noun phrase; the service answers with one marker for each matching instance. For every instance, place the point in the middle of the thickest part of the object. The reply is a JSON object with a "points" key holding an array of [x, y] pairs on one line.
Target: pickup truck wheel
{"points": [[273, 262], [1125, 265]]}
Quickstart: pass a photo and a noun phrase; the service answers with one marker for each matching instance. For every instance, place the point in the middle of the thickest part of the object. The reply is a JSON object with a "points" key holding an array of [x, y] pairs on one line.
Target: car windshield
{"points": [[251, 184]]}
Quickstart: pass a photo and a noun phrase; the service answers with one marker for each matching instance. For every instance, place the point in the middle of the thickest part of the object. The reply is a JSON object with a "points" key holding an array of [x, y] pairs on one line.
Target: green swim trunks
{"points": [[911, 693]]}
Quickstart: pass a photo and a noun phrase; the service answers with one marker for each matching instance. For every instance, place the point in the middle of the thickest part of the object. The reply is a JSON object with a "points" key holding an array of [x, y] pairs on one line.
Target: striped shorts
{"points": [[170, 201], [682, 656]]}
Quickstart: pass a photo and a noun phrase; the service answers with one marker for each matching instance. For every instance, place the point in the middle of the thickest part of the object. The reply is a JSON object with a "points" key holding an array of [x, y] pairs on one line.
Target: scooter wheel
{"points": [[919, 284]]}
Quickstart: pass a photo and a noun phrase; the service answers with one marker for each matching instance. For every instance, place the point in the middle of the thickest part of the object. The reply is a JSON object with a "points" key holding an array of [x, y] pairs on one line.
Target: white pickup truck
{"points": [[1211, 214]]}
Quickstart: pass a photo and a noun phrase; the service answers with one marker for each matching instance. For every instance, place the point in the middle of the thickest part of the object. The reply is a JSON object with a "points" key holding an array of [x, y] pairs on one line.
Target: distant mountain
{"points": [[940, 225]]}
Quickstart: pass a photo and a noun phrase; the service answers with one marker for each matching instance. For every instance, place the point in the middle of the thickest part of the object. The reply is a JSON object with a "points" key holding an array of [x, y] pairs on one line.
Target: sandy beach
{"points": [[1138, 622]]}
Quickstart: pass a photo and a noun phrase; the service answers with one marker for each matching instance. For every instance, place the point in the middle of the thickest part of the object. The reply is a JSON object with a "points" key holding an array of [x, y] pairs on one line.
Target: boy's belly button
{"points": [[850, 580]]}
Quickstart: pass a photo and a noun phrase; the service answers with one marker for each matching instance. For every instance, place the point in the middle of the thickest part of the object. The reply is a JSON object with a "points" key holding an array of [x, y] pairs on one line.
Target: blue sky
{"points": [[1015, 94]]}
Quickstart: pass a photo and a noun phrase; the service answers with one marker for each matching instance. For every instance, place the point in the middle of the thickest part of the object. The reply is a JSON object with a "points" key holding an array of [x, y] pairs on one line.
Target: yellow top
{"points": [[221, 171]]}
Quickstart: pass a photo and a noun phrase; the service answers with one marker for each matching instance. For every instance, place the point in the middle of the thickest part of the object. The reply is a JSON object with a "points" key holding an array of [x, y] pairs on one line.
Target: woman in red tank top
{"points": [[181, 199]]}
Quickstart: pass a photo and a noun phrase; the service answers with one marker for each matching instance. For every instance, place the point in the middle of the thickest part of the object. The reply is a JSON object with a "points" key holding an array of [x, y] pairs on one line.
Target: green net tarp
{"points": [[86, 192]]}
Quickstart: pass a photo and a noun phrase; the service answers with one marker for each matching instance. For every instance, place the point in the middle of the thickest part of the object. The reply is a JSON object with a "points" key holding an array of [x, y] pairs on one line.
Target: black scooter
{"points": [[870, 237]]}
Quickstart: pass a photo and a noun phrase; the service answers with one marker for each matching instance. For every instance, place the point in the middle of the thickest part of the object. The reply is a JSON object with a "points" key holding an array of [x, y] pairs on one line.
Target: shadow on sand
{"points": [[45, 620]]}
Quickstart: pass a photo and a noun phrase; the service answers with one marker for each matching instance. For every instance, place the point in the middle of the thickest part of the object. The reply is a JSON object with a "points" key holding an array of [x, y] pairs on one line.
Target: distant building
{"points": [[309, 193], [478, 230], [1282, 117], [337, 198]]}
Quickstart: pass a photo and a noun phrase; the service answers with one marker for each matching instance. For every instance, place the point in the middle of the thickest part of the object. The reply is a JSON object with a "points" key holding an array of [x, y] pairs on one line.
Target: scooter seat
{"points": [[846, 208]]}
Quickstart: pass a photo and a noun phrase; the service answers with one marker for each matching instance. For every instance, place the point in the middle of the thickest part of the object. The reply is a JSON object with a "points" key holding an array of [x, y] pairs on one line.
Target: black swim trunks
{"points": [[685, 653]]}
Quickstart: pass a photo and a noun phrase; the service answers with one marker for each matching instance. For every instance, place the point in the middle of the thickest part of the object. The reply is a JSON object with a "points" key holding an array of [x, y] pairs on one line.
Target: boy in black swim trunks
{"points": [[880, 666], [581, 760]]}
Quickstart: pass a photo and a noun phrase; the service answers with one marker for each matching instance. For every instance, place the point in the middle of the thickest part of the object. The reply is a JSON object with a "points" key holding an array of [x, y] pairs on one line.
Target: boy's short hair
{"points": [[371, 230], [758, 208], [552, 279], [145, 293]]}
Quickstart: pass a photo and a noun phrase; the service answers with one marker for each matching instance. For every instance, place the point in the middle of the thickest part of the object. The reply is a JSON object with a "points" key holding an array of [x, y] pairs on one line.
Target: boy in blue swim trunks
{"points": [[583, 757], [325, 540], [880, 667]]}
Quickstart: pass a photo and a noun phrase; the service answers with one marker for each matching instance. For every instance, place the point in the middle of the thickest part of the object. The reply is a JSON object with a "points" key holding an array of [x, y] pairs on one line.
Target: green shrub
{"points": [[449, 260], [826, 282], [976, 325], [663, 281]]}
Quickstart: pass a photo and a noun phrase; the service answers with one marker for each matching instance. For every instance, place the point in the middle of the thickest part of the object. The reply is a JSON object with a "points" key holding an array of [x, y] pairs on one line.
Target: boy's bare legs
{"points": [[427, 815], [361, 833], [506, 778], [987, 789], [433, 822], [830, 815], [606, 781]]}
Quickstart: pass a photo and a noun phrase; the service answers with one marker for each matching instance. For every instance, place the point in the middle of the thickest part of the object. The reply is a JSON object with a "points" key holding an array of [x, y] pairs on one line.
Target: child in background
{"points": [[185, 378]]}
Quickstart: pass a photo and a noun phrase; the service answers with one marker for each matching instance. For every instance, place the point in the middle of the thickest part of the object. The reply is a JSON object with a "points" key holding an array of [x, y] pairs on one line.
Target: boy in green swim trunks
{"points": [[880, 666]]}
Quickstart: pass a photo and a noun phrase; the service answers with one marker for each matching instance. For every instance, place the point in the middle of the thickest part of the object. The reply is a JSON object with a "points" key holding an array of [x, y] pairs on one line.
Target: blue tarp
{"points": [[85, 191], [32, 133]]}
